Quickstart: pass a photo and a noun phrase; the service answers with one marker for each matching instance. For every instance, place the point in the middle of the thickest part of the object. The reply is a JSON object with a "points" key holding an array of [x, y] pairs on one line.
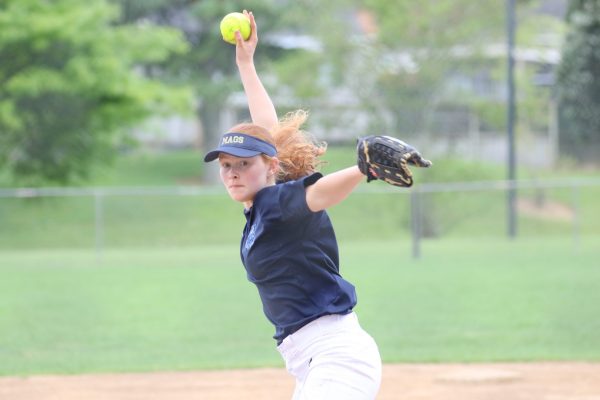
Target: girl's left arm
{"points": [[333, 188]]}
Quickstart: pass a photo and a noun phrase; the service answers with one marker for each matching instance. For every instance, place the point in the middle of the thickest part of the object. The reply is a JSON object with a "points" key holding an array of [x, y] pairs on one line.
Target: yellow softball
{"points": [[232, 22]]}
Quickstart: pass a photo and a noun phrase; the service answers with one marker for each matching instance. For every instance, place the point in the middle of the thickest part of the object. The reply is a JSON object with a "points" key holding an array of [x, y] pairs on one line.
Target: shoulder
{"points": [[303, 182], [288, 186], [286, 199]]}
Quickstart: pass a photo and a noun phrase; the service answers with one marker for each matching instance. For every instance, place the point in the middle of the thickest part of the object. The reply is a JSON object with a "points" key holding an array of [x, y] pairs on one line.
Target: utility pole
{"points": [[512, 191]]}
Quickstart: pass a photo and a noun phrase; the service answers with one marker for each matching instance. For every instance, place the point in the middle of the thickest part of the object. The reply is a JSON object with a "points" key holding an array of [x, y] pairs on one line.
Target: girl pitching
{"points": [[289, 248]]}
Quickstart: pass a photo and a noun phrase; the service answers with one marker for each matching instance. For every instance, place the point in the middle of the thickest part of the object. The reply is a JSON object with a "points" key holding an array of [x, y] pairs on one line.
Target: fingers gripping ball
{"points": [[233, 22], [387, 158]]}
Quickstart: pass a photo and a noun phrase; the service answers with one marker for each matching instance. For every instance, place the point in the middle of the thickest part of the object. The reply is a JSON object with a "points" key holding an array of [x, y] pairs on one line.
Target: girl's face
{"points": [[244, 177]]}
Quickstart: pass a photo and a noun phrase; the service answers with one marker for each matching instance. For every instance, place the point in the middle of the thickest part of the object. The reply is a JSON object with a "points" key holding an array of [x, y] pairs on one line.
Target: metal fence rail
{"points": [[218, 190]]}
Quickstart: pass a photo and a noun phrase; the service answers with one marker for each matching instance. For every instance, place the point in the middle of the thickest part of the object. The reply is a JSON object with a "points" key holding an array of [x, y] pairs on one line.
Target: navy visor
{"points": [[241, 145]]}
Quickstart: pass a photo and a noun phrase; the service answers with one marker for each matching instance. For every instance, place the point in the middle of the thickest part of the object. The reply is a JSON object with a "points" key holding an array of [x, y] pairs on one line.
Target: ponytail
{"points": [[298, 152]]}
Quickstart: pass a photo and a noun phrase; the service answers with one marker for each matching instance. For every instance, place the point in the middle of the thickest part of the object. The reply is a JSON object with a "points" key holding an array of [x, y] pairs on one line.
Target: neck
{"points": [[248, 203]]}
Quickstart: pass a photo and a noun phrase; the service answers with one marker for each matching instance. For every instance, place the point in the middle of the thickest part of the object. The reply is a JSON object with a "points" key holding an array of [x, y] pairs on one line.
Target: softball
{"points": [[233, 22]]}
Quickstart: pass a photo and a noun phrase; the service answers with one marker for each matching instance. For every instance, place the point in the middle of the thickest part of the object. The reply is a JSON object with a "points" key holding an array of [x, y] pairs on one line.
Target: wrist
{"points": [[246, 64]]}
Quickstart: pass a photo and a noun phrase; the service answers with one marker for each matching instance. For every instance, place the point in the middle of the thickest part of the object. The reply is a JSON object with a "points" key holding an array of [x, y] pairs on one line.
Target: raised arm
{"points": [[262, 109], [333, 188]]}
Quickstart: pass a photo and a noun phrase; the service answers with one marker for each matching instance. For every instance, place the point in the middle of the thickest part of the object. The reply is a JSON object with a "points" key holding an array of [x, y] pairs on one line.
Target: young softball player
{"points": [[289, 247]]}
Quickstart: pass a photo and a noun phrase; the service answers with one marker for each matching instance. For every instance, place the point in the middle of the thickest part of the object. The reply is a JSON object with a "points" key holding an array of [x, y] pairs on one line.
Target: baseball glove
{"points": [[387, 158]]}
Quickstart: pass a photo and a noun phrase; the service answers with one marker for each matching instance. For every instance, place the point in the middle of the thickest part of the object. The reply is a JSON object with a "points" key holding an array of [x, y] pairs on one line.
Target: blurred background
{"points": [[106, 108], [129, 94]]}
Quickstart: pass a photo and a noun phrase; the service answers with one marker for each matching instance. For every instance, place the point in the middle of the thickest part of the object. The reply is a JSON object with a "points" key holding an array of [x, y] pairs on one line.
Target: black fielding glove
{"points": [[387, 158]]}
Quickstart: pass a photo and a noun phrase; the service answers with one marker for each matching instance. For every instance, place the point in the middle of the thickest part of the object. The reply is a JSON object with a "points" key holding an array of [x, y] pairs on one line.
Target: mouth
{"points": [[235, 186]]}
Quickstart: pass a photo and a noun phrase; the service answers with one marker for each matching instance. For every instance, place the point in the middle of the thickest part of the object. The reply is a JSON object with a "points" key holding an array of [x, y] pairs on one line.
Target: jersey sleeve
{"points": [[288, 202]]}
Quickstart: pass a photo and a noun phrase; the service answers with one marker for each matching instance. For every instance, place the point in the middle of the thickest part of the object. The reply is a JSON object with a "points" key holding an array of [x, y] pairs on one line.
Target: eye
{"points": [[244, 163], [225, 165]]}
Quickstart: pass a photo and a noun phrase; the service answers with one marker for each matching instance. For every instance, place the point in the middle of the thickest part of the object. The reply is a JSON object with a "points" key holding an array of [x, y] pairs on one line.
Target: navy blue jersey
{"points": [[290, 253]]}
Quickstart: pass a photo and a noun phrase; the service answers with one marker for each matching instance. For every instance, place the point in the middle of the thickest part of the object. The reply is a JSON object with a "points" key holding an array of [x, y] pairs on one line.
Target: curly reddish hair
{"points": [[298, 152]]}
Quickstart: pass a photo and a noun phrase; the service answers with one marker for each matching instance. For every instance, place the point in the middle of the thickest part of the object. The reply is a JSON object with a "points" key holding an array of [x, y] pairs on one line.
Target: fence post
{"points": [[415, 218], [512, 156], [99, 225], [576, 220]]}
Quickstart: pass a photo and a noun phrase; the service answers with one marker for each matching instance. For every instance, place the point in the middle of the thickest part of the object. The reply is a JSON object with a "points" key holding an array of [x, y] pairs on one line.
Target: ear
{"points": [[273, 166]]}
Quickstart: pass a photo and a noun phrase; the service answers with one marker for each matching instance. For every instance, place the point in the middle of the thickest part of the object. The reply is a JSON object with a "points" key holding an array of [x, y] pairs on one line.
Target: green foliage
{"points": [[415, 59], [292, 70], [209, 65], [492, 115], [579, 82], [423, 34], [71, 82], [99, 63], [438, 24]]}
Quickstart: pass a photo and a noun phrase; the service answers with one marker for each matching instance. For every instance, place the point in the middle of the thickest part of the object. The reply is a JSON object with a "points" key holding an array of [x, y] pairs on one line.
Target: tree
{"points": [[72, 82], [209, 67], [579, 82], [393, 69], [396, 59]]}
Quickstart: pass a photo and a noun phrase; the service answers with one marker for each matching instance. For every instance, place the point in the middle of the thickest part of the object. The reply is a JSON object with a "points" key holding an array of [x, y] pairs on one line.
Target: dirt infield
{"points": [[535, 381]]}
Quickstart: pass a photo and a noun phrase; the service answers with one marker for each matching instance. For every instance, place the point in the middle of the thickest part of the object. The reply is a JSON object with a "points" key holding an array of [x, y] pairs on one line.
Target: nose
{"points": [[233, 173]]}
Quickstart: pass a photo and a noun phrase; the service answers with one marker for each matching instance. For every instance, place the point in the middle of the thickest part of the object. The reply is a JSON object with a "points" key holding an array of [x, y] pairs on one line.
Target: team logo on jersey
{"points": [[233, 140], [250, 238]]}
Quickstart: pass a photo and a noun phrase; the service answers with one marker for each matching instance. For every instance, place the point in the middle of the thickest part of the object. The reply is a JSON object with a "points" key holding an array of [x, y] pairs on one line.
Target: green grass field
{"points": [[64, 311], [166, 290]]}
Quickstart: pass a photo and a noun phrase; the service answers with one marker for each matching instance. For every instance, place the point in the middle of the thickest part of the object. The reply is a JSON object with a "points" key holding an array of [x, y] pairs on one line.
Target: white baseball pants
{"points": [[333, 358]]}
